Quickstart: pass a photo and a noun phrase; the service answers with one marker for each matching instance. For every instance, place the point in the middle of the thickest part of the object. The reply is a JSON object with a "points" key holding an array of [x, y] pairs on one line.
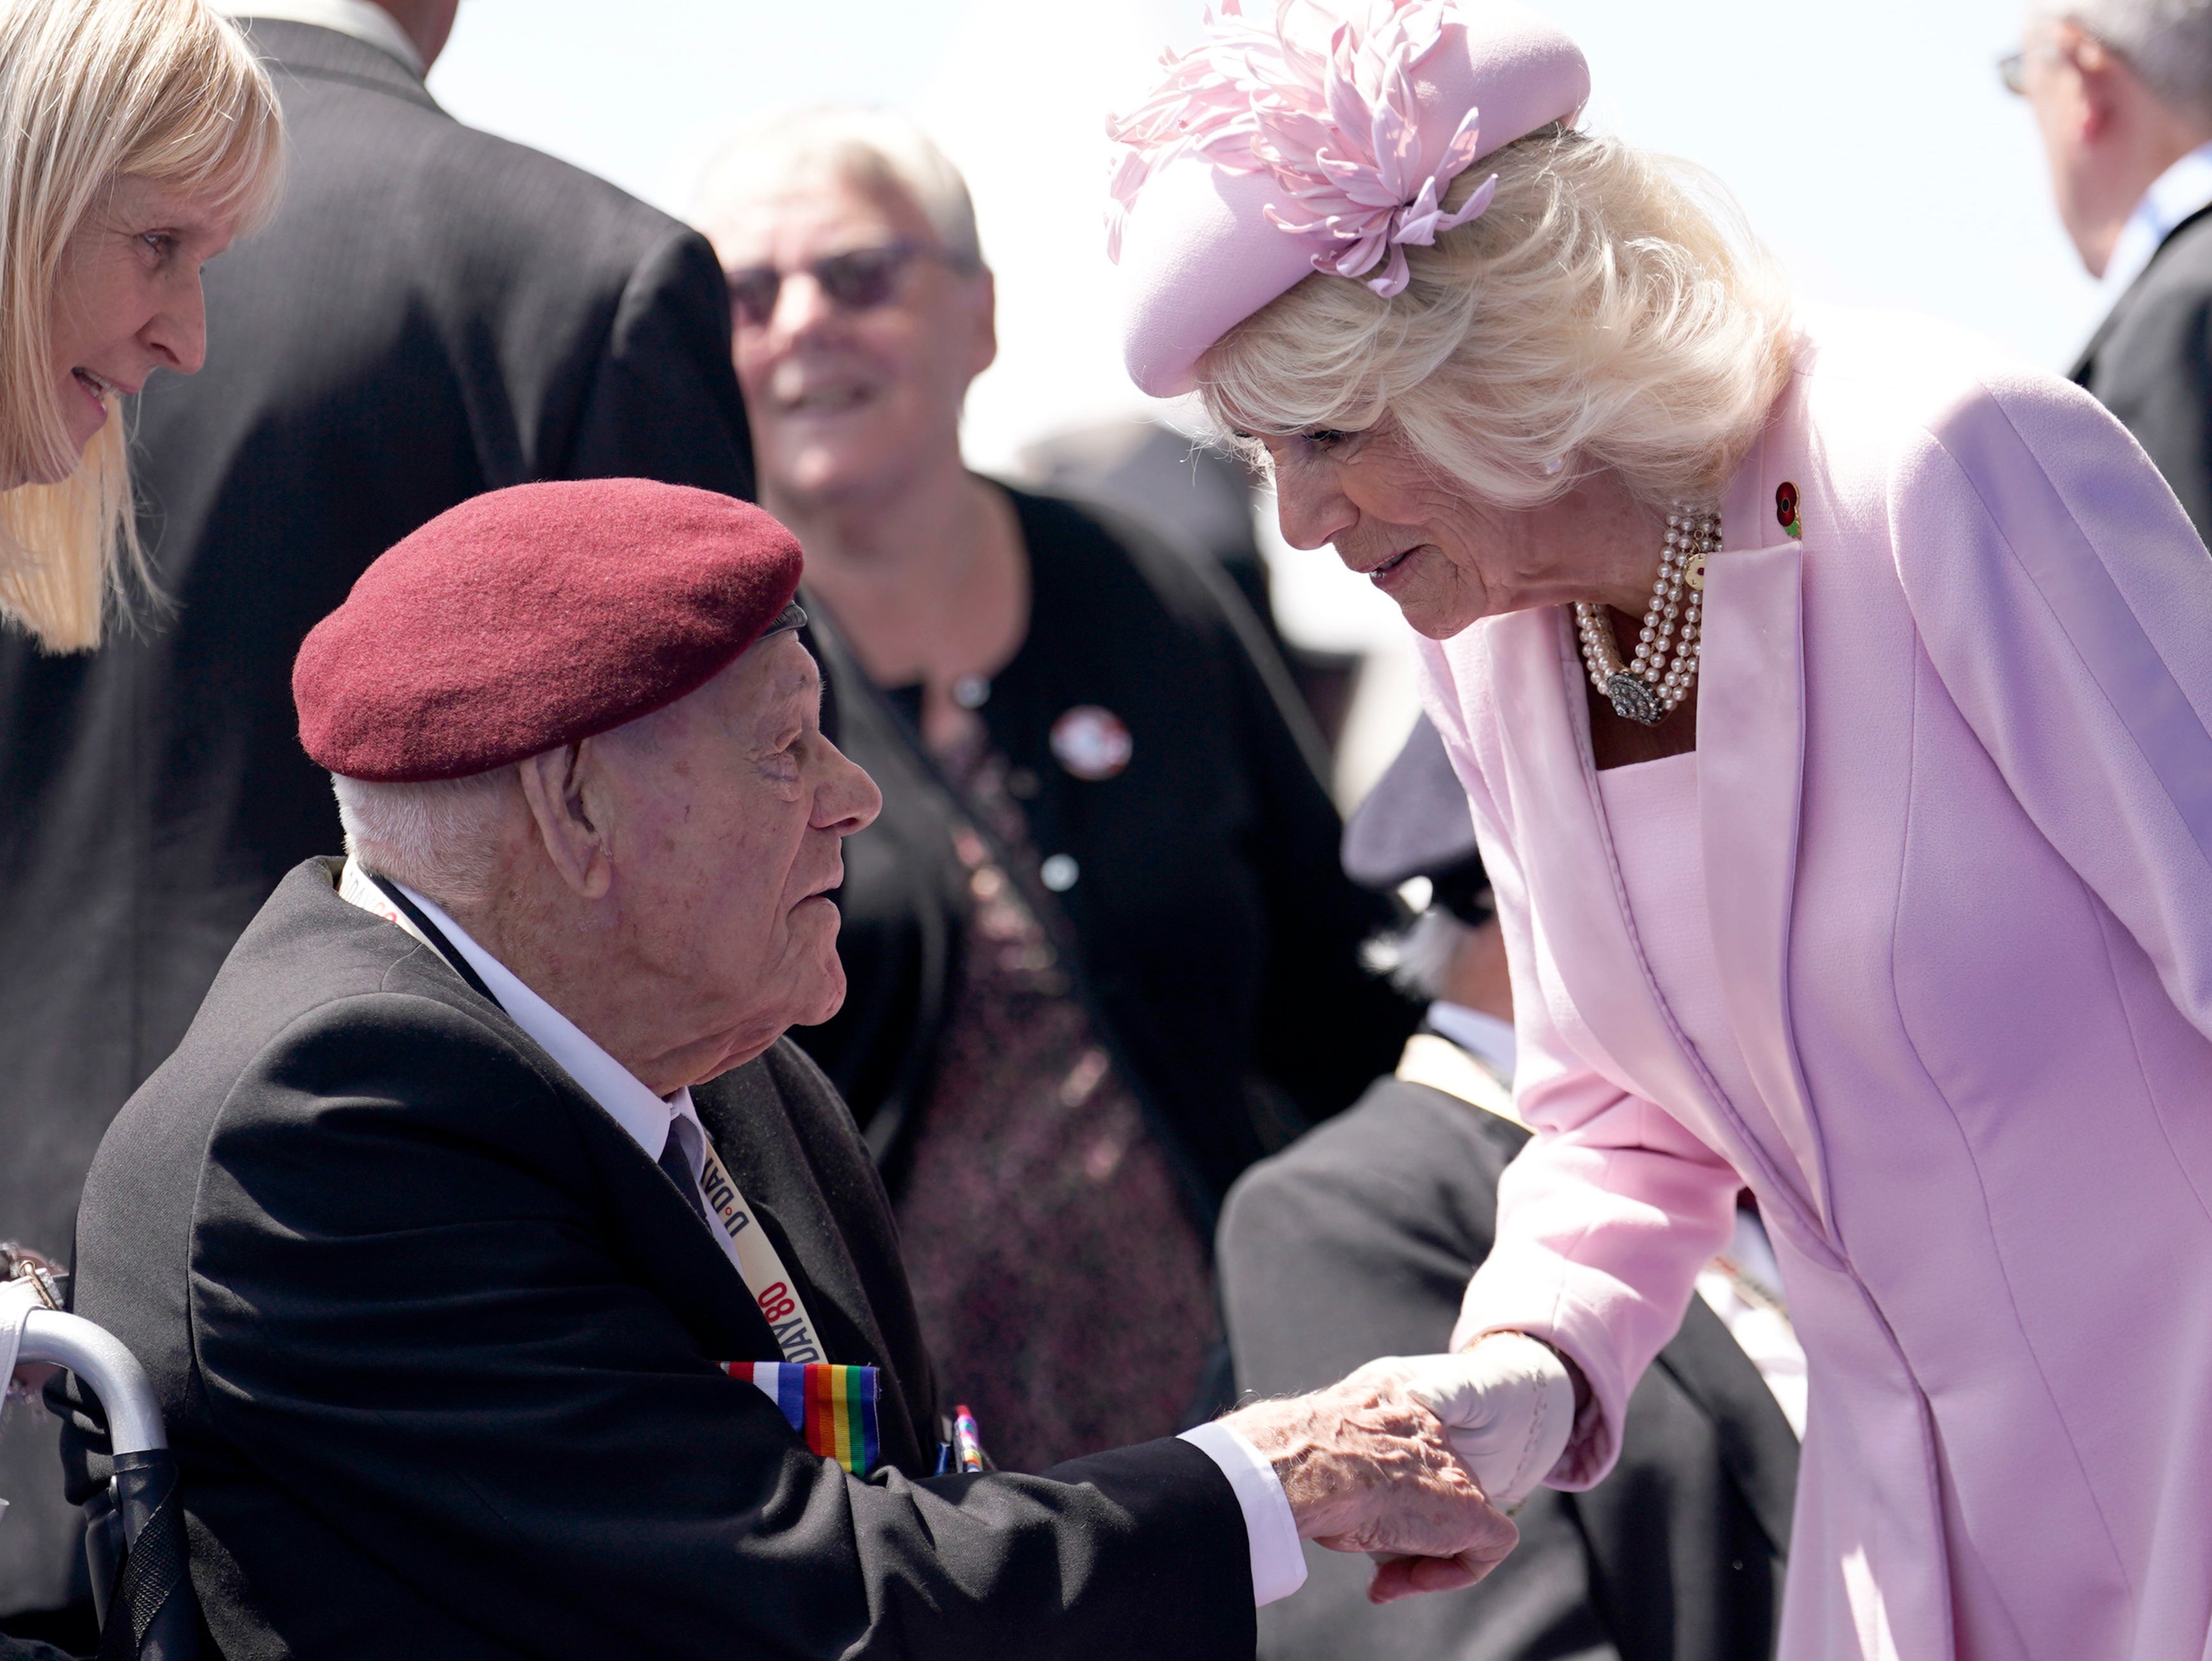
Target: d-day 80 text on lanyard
{"points": [[759, 1261]]}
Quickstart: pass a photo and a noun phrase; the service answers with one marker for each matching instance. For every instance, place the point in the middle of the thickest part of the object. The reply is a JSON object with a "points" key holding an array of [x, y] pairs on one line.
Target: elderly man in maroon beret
{"points": [[513, 1287]]}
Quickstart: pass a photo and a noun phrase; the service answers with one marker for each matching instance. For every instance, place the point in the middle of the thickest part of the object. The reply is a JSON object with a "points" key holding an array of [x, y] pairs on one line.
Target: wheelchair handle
{"points": [[127, 1398]]}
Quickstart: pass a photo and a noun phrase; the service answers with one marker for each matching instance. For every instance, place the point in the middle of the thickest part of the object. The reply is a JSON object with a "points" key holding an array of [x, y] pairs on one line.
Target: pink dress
{"points": [[1940, 993]]}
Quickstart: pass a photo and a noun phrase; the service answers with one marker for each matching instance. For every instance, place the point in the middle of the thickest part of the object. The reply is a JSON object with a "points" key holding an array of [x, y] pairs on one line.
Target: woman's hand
{"points": [[1507, 1403]]}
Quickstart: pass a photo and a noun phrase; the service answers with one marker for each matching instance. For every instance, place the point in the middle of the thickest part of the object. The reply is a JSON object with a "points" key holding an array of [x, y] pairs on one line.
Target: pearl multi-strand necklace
{"points": [[1648, 689]]}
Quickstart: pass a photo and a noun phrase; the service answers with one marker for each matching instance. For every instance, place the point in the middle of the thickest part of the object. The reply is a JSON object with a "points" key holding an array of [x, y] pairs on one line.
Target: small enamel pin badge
{"points": [[1785, 509], [1092, 742]]}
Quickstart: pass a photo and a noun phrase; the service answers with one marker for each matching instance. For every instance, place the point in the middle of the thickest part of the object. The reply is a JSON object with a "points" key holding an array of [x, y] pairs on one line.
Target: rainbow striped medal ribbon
{"points": [[833, 1407]]}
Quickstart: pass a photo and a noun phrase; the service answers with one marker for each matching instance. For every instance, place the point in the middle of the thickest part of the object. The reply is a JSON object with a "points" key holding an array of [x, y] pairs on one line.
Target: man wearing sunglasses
{"points": [[2122, 91]]}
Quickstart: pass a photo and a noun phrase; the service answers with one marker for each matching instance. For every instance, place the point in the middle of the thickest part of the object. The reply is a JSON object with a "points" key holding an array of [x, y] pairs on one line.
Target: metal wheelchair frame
{"points": [[134, 1541]]}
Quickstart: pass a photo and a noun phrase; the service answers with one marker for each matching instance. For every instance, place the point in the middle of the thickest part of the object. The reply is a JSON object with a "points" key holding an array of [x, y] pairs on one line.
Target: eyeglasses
{"points": [[2012, 68], [858, 280]]}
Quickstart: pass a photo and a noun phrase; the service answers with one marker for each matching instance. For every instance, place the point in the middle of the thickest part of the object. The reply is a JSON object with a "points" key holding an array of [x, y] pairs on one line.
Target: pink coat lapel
{"points": [[1577, 910], [1751, 753], [1751, 757]]}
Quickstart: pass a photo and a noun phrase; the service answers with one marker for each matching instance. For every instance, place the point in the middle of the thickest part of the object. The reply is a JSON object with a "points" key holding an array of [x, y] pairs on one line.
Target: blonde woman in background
{"points": [[137, 137]]}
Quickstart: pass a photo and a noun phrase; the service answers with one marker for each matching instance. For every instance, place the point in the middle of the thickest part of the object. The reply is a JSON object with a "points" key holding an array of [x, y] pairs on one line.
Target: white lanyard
{"points": [[356, 888], [749, 1246], [758, 1260]]}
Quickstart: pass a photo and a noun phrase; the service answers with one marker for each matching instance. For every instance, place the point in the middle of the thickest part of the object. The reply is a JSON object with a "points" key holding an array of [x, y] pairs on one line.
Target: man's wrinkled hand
{"points": [[1366, 1466]]}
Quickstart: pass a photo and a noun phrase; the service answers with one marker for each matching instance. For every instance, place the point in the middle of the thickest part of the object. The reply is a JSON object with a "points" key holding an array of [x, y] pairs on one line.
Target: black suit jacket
{"points": [[1379, 1217], [437, 1345], [434, 313], [2150, 363], [1210, 924]]}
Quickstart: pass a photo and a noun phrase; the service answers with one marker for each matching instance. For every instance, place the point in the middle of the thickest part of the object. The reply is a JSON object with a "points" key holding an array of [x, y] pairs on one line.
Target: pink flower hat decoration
{"points": [[1324, 140]]}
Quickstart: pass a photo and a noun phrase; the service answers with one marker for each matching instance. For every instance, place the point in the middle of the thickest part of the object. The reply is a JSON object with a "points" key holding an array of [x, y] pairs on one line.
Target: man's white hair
{"points": [[2167, 42], [872, 148], [439, 838]]}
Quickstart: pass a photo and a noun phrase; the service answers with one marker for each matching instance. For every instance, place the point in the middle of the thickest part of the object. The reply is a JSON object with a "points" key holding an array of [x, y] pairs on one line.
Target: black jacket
{"points": [[434, 313], [1379, 1217], [2150, 363], [1209, 923], [437, 1344]]}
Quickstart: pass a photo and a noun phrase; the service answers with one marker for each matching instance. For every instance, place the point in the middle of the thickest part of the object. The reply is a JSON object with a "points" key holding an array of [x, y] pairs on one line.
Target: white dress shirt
{"points": [[1485, 1037], [364, 19], [2184, 189], [1279, 1565]]}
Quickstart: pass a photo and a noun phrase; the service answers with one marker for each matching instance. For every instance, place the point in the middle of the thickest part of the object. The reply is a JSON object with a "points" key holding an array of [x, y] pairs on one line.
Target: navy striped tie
{"points": [[679, 1172]]}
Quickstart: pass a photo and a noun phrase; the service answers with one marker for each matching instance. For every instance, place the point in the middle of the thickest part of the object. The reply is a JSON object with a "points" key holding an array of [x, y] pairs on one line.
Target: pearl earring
{"points": [[1555, 466]]}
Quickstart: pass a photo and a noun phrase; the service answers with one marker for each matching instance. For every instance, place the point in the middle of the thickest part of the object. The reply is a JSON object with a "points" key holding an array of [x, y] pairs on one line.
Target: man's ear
{"points": [[557, 785], [987, 321], [2099, 72]]}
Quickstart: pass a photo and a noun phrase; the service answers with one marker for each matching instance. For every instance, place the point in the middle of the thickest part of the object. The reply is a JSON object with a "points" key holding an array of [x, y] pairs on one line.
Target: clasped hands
{"points": [[1417, 1459]]}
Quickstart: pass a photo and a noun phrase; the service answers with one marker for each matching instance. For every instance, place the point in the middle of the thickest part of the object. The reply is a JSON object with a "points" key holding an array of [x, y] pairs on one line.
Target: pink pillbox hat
{"points": [[1321, 140]]}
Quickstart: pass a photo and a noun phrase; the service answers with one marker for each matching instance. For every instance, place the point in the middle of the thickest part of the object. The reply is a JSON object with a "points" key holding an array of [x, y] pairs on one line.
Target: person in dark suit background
{"points": [[2122, 92], [1380, 1216], [497, 1292], [433, 313]]}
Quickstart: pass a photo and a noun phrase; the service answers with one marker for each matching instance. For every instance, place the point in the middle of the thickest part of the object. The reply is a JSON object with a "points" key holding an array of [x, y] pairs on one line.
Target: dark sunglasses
{"points": [[858, 280]]}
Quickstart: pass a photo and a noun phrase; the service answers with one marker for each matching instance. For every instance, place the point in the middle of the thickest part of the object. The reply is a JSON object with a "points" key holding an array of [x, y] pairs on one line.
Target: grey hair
{"points": [[2167, 42], [1419, 957], [873, 149], [441, 838]]}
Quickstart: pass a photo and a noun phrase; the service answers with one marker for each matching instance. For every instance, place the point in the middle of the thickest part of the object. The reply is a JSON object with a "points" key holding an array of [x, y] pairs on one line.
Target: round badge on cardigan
{"points": [[1091, 742]]}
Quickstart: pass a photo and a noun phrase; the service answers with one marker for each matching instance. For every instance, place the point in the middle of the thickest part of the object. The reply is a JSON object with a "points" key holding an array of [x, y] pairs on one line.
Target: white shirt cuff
{"points": [[1279, 1562]]}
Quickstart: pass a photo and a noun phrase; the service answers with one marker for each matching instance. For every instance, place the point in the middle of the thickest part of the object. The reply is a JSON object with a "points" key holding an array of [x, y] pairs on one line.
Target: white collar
{"points": [[1485, 1037], [2184, 189], [362, 19], [628, 1101]]}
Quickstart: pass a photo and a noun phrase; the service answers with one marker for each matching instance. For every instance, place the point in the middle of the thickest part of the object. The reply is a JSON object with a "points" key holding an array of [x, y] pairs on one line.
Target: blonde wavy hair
{"points": [[1609, 310], [92, 91]]}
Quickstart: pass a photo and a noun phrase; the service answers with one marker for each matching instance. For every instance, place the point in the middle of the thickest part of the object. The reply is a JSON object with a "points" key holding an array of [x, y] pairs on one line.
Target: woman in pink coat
{"points": [[1831, 693]]}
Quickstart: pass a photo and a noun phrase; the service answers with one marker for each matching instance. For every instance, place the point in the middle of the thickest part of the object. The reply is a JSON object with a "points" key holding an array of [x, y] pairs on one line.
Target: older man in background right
{"points": [[2121, 90]]}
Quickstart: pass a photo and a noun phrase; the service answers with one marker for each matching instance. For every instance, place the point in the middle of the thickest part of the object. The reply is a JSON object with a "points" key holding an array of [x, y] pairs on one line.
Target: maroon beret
{"points": [[531, 617]]}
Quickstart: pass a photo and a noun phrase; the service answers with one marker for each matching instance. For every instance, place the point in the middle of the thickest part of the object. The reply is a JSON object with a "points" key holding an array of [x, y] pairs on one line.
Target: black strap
{"points": [[154, 1578], [436, 936]]}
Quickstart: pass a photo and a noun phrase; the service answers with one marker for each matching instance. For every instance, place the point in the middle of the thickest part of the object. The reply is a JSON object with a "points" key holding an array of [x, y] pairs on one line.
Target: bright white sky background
{"points": [[1869, 142]]}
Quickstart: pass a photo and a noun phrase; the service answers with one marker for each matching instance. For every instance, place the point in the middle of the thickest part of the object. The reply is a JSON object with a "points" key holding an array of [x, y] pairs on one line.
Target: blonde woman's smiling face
{"points": [[1447, 557], [127, 300]]}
